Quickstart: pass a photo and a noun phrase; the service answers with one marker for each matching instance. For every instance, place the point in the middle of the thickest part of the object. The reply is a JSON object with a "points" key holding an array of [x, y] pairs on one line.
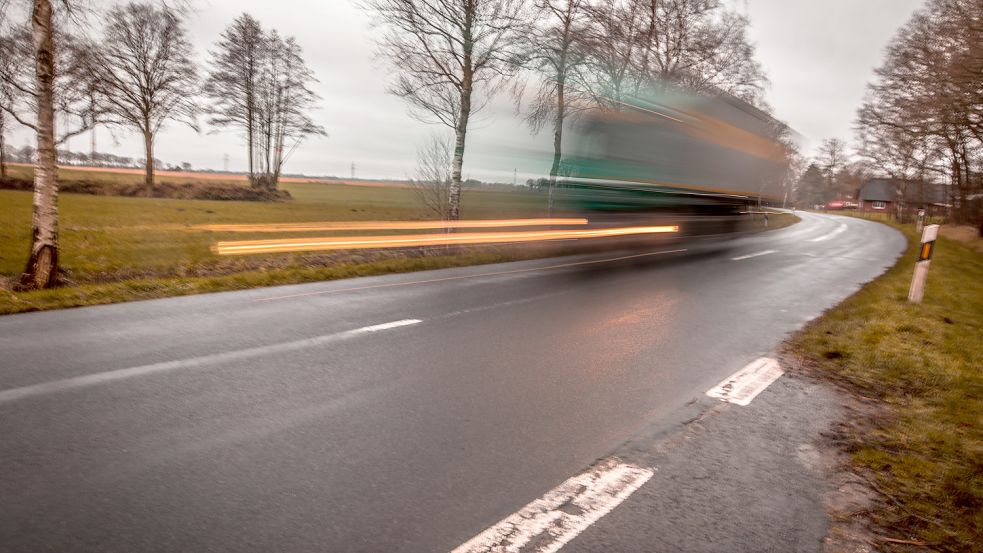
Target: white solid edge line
{"points": [[85, 381], [551, 521], [831, 234], [749, 256], [744, 385]]}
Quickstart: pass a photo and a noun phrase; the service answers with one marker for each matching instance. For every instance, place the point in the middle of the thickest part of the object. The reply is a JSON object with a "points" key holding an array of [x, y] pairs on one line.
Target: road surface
{"points": [[397, 413]]}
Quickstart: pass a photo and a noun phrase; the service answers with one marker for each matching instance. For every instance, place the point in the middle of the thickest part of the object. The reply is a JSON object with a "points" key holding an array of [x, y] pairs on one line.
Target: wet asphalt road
{"points": [[287, 419]]}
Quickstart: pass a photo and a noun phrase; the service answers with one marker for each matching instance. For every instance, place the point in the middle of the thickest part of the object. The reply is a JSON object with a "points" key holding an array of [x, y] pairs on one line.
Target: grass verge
{"points": [[152, 288], [923, 363], [296, 269], [288, 269], [115, 249]]}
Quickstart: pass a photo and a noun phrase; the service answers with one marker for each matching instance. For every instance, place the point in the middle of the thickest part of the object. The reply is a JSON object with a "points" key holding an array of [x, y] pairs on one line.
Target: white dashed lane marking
{"points": [[744, 385], [386, 326], [749, 256], [550, 522], [829, 235], [88, 380]]}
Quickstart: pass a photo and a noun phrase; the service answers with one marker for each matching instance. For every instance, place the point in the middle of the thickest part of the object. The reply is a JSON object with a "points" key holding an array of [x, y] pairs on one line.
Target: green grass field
{"points": [[107, 237], [123, 248], [923, 362], [106, 240]]}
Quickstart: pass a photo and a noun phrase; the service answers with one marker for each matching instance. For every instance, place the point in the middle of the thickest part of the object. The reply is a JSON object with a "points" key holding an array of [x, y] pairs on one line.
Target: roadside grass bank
{"points": [[163, 287], [923, 363]]}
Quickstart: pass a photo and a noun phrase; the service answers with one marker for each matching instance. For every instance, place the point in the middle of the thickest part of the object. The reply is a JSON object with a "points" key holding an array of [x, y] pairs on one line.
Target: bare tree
{"points": [[924, 113], [42, 265], [794, 162], [145, 73], [832, 158], [433, 174], [697, 44], [6, 91], [284, 98], [700, 44], [811, 188], [260, 84], [72, 80], [554, 52], [232, 84], [612, 41], [43, 79], [448, 58]]}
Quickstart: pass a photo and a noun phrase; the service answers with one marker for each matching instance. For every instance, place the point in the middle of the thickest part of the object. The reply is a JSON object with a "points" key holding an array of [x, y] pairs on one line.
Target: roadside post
{"points": [[920, 221], [917, 290]]}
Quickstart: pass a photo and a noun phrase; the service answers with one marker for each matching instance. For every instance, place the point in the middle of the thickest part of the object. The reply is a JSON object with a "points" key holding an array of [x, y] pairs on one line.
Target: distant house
{"points": [[888, 195]]}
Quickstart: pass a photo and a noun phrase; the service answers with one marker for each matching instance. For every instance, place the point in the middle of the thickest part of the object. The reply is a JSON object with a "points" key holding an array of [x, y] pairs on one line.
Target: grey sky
{"points": [[818, 56]]}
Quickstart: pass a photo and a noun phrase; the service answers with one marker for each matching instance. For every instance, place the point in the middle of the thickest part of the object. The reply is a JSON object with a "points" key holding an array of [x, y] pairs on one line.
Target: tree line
{"points": [[923, 115], [921, 119], [449, 58], [28, 154], [136, 71], [832, 173]]}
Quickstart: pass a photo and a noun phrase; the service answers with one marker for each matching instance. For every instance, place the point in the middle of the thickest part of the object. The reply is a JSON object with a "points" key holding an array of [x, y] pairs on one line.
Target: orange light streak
{"points": [[243, 247], [391, 225]]}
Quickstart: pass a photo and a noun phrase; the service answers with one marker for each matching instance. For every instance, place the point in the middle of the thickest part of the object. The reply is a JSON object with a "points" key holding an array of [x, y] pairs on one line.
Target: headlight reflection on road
{"points": [[471, 238]]}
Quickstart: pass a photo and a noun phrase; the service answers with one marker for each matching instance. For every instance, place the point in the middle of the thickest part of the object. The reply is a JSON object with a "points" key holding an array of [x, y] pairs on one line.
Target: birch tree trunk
{"points": [[460, 134], [557, 140], [42, 266]]}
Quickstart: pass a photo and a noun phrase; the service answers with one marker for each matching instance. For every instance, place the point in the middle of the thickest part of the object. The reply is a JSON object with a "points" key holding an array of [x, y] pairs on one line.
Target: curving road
{"points": [[396, 413]]}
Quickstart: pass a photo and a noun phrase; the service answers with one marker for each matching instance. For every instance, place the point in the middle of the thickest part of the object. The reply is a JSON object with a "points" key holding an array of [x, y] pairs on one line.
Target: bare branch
{"points": [[449, 58]]}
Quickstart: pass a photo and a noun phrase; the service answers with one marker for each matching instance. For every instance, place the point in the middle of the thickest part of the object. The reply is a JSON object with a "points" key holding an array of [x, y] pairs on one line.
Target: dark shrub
{"points": [[201, 190]]}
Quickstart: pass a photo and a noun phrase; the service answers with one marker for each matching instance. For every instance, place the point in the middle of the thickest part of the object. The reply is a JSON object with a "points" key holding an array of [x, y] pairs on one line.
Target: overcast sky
{"points": [[818, 55]]}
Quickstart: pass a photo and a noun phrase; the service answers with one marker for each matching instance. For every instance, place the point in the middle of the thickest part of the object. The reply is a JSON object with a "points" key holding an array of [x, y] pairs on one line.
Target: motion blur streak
{"points": [[392, 225], [313, 244]]}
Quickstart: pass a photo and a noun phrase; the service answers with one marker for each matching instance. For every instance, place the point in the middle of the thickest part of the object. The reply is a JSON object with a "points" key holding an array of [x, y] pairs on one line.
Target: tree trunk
{"points": [[278, 163], [557, 142], [3, 148], [250, 117], [460, 133], [249, 148], [267, 155], [148, 142], [42, 266], [279, 139], [966, 189]]}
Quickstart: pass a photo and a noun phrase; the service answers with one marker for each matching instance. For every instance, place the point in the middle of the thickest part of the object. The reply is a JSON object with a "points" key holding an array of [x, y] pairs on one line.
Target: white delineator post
{"points": [[917, 290]]}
